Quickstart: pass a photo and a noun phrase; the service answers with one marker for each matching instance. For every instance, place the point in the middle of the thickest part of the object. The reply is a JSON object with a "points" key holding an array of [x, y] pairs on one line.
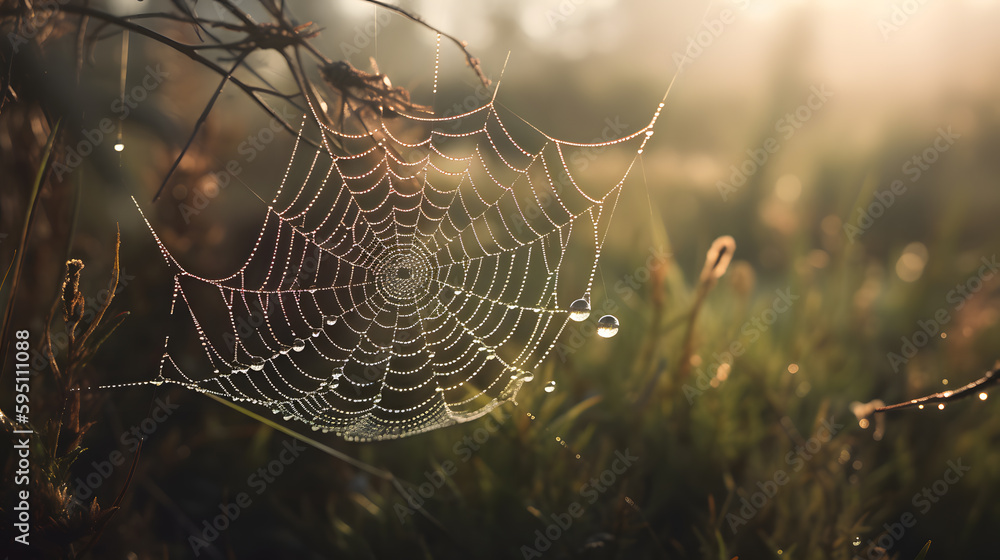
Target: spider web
{"points": [[413, 284]]}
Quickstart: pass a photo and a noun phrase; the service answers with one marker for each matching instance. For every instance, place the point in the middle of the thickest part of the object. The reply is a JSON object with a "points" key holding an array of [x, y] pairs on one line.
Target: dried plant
{"points": [[61, 523]]}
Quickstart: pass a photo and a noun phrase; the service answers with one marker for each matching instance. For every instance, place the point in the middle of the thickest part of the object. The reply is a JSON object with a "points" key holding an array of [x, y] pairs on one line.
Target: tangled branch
{"points": [[281, 34]]}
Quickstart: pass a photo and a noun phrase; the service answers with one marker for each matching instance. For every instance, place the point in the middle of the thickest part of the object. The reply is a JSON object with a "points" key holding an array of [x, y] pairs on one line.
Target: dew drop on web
{"points": [[579, 310], [550, 386], [607, 326]]}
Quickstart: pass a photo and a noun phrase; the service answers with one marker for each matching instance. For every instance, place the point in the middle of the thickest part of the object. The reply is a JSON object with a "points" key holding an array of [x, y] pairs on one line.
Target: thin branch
{"points": [[185, 49], [114, 507], [202, 25], [985, 382], [197, 125], [81, 36], [471, 60]]}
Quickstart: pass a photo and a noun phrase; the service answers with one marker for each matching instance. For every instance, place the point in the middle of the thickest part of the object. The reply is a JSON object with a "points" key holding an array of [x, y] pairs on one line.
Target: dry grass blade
{"points": [[375, 471], [43, 169], [717, 260]]}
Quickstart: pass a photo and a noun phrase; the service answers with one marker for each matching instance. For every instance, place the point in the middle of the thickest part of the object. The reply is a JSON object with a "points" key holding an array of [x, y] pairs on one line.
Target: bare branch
{"points": [[197, 126], [187, 50], [978, 386], [471, 60]]}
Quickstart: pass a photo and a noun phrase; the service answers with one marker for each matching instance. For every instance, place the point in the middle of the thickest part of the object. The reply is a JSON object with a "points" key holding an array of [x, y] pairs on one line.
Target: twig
{"points": [[115, 506], [185, 49], [983, 383], [471, 60], [198, 123]]}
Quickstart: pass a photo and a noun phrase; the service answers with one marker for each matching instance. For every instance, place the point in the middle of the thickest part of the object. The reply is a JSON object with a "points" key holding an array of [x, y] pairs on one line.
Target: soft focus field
{"points": [[756, 455]]}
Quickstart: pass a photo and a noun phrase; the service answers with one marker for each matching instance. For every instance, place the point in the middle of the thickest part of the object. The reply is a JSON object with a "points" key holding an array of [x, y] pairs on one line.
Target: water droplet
{"points": [[285, 349], [331, 320], [316, 333], [941, 406], [298, 345], [649, 133], [550, 386], [982, 396], [607, 326], [579, 310], [119, 147], [257, 364], [315, 428], [458, 292], [856, 541], [157, 382], [288, 417]]}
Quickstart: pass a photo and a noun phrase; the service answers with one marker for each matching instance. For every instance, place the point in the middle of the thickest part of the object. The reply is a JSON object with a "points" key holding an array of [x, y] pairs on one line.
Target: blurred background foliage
{"points": [[701, 451]]}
